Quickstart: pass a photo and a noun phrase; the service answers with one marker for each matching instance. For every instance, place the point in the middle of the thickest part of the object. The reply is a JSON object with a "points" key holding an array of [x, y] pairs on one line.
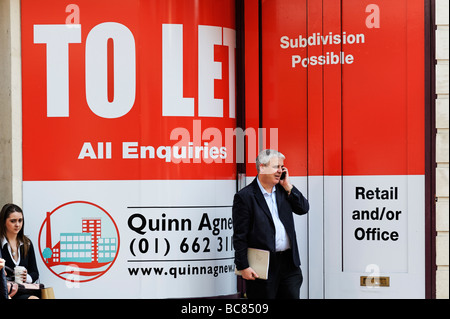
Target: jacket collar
{"points": [[4, 241], [258, 191], [260, 198]]}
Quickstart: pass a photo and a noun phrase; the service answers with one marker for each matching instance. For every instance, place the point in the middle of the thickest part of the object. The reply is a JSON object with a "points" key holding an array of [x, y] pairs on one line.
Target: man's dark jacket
{"points": [[253, 224]]}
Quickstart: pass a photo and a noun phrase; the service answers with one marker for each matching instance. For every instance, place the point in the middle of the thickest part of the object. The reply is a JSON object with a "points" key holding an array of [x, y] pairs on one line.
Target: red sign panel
{"points": [[114, 91], [343, 83]]}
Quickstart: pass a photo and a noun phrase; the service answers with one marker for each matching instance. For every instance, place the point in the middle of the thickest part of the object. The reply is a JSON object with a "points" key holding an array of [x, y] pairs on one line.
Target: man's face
{"points": [[271, 173]]}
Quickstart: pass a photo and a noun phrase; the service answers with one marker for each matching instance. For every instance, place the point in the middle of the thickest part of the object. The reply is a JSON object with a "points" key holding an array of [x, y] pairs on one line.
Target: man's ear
{"points": [[262, 168]]}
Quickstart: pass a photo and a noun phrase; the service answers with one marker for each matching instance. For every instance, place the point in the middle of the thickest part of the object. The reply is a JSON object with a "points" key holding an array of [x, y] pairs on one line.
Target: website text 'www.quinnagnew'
{"points": [[181, 270]]}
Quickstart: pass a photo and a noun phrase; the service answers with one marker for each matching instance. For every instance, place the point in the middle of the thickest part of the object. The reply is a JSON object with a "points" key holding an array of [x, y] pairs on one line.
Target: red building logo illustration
{"points": [[79, 235]]}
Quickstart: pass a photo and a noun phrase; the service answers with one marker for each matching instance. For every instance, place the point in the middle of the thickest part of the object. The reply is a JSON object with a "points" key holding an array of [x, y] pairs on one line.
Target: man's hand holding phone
{"points": [[284, 180]]}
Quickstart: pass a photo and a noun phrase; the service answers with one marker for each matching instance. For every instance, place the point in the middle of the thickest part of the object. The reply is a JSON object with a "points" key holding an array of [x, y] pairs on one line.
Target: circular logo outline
{"points": [[118, 241]]}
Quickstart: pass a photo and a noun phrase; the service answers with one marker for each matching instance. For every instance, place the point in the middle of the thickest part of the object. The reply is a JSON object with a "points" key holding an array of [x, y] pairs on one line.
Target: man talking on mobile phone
{"points": [[263, 219]]}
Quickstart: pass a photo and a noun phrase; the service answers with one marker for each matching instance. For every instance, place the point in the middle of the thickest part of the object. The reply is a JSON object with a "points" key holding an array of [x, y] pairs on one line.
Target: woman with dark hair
{"points": [[16, 248]]}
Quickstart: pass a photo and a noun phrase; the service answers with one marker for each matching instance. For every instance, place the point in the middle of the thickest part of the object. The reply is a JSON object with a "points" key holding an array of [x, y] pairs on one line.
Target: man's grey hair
{"points": [[265, 155]]}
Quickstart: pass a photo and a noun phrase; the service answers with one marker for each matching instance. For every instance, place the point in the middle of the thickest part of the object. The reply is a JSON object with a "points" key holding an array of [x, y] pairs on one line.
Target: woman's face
{"points": [[14, 223]]}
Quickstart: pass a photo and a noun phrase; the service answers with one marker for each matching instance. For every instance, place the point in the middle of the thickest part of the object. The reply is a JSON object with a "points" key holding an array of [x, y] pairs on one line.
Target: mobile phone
{"points": [[283, 176]]}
